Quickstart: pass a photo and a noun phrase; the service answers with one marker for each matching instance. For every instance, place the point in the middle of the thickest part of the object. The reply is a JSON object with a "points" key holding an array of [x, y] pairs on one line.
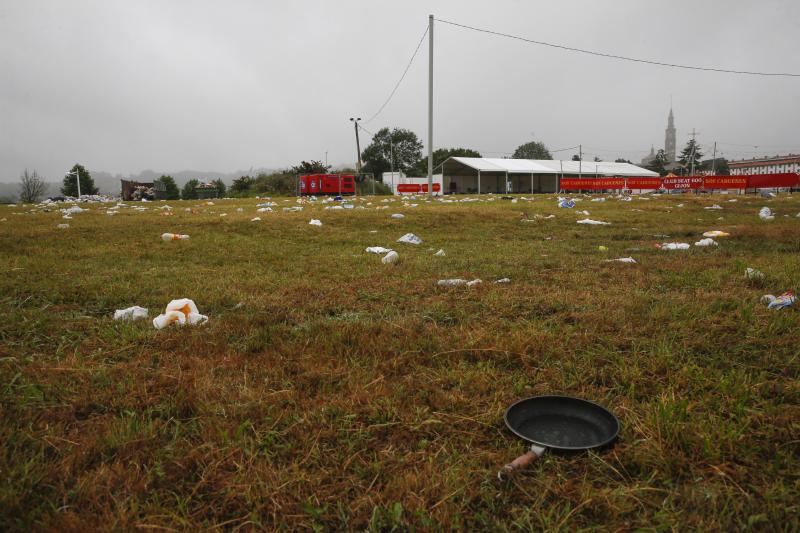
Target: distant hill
{"points": [[109, 183]]}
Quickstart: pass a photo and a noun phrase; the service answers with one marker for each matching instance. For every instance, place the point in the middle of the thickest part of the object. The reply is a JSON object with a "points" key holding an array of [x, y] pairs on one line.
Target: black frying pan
{"points": [[560, 423]]}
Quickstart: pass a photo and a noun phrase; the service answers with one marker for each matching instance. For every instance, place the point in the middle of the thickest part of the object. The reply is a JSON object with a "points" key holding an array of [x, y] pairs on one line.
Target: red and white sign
{"points": [[593, 184], [415, 188], [684, 182], [725, 182], [643, 183]]}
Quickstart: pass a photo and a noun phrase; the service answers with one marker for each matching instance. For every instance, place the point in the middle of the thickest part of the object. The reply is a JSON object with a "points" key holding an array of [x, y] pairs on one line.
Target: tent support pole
{"points": [[479, 182], [506, 181]]}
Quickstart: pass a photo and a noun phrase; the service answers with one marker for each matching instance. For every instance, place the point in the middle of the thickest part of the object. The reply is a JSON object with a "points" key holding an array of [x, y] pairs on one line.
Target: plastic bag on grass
{"points": [[131, 313], [182, 311]]}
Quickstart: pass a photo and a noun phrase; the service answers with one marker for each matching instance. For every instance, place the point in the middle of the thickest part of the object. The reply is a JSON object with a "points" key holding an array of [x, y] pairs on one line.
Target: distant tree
{"points": [[597, 159], [441, 155], [220, 185], [310, 167], [398, 145], [70, 185], [659, 163], [576, 157], [622, 160], [188, 192], [171, 187], [277, 183], [691, 156], [720, 168], [242, 184], [31, 187], [532, 150]]}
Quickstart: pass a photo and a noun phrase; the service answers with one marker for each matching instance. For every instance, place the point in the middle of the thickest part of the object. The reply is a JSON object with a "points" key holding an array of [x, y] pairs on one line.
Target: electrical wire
{"points": [[622, 58], [378, 112]]}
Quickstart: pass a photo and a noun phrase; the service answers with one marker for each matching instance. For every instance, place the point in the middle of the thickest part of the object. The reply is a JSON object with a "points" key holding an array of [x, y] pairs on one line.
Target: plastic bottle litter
{"points": [[566, 204], [474, 282], [378, 250], [503, 280], [410, 238], [63, 226], [598, 200], [784, 300], [391, 257], [264, 210], [593, 222], [706, 242], [673, 246], [451, 282], [174, 237], [440, 253], [315, 222], [621, 260], [753, 274], [398, 215], [255, 219], [182, 312], [131, 313], [766, 214], [716, 233], [715, 206]]}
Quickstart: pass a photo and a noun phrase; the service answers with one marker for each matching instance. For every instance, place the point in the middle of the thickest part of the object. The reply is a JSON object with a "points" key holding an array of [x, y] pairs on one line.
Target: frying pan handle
{"points": [[521, 462]]}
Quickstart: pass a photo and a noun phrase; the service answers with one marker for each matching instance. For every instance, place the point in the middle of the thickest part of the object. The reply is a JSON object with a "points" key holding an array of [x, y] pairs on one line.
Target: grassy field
{"points": [[329, 391]]}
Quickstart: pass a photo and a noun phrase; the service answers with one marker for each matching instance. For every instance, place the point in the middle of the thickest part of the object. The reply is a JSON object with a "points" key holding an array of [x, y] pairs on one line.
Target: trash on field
{"points": [[598, 200], [621, 260], [451, 282], [410, 238], [584, 212], [767, 194], [503, 280], [767, 299], [315, 222], [715, 206], [602, 248], [174, 237], [784, 300], [63, 226], [182, 312], [567, 204], [673, 246], [378, 250], [753, 274], [766, 214], [131, 313], [255, 219], [706, 242], [626, 199], [440, 253], [398, 215], [391, 257], [716, 233], [474, 282], [593, 222], [264, 210]]}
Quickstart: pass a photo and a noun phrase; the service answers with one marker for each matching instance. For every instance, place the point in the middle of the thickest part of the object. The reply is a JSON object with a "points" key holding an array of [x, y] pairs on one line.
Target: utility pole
{"points": [[580, 160], [694, 148], [391, 159], [77, 180], [358, 146], [326, 158], [714, 160], [430, 106]]}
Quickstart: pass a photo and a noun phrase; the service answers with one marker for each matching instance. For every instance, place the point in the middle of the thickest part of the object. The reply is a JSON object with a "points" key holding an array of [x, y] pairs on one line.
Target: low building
{"points": [[766, 165], [503, 176]]}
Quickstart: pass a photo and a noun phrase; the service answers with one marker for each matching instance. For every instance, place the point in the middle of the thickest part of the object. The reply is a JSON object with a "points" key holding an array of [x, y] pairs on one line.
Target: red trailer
{"points": [[327, 184]]}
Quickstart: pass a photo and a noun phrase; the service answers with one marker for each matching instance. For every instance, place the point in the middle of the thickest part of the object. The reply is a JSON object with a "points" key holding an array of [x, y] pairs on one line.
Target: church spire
{"points": [[669, 137]]}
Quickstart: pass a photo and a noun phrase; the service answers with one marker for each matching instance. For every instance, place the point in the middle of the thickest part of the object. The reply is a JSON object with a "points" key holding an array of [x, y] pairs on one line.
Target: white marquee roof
{"points": [[552, 166]]}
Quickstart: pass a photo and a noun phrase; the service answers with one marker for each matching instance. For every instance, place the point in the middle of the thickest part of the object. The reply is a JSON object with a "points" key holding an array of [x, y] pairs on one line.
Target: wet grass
{"points": [[331, 392]]}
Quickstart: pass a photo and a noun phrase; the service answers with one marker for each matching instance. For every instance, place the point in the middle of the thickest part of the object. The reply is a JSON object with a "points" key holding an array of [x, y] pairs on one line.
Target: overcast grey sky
{"points": [[123, 86]]}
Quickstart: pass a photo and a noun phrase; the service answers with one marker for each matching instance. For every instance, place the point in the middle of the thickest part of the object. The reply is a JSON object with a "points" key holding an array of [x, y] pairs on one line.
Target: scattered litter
{"points": [[673, 246], [716, 233], [255, 219], [174, 237], [621, 260], [784, 300], [315, 222], [715, 206], [63, 226], [767, 194], [593, 222], [753, 274], [239, 210], [131, 313], [391, 257], [584, 212], [474, 282], [451, 282], [767, 299], [398, 215], [410, 238], [598, 200], [706, 242], [567, 204], [626, 199], [440, 253], [679, 205], [503, 280], [264, 210], [182, 311], [766, 214], [378, 250], [602, 248]]}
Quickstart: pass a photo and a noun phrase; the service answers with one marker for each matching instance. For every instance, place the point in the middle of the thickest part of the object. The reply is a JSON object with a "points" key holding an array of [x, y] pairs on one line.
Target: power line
{"points": [[378, 112], [613, 56]]}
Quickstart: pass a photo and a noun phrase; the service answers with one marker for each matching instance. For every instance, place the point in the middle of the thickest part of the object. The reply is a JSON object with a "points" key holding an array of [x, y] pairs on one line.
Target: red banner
{"points": [[725, 182], [592, 183], [787, 179], [417, 187], [686, 182], [644, 183]]}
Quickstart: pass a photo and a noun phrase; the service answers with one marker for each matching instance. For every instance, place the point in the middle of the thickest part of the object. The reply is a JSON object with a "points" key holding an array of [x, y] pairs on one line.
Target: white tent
{"points": [[465, 174]]}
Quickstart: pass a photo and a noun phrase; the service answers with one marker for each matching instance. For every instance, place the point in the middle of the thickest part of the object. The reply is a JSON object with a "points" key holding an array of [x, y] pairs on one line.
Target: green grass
{"points": [[348, 394]]}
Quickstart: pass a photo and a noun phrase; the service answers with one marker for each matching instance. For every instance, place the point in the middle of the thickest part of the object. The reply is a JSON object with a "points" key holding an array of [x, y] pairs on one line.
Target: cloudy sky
{"points": [[123, 86]]}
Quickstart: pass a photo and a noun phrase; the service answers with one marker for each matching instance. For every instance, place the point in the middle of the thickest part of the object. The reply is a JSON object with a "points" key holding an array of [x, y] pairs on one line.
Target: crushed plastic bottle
{"points": [[391, 257], [166, 237], [131, 313], [410, 238], [706, 242], [766, 214], [451, 282], [781, 302], [440, 253]]}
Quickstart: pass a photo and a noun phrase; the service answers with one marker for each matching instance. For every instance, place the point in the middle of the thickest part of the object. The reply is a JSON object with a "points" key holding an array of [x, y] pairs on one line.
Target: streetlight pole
{"points": [[358, 146], [430, 108], [77, 180]]}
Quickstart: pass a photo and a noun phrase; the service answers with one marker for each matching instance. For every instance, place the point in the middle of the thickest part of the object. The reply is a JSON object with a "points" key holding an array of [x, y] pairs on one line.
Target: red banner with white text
{"points": [[592, 183]]}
